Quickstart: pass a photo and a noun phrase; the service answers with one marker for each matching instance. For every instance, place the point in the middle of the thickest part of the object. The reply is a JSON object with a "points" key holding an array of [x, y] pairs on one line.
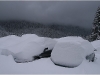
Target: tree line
{"points": [[20, 27]]}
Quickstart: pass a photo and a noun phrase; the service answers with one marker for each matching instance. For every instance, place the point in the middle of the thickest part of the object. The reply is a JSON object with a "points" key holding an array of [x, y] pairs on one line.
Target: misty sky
{"points": [[79, 13]]}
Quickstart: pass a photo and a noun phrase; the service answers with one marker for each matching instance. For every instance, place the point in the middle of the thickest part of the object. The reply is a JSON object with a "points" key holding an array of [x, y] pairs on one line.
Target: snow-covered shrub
{"points": [[49, 43], [29, 51], [67, 54], [45, 54], [70, 53], [85, 44]]}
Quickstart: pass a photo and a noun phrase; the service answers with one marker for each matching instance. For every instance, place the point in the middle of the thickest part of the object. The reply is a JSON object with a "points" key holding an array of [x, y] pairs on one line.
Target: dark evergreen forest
{"points": [[16, 27]]}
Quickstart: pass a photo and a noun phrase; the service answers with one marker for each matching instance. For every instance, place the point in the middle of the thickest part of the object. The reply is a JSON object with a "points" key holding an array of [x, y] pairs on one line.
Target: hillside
{"points": [[19, 28]]}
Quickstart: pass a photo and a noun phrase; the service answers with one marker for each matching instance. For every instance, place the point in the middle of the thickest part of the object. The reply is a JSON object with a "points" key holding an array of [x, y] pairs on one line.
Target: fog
{"points": [[80, 13]]}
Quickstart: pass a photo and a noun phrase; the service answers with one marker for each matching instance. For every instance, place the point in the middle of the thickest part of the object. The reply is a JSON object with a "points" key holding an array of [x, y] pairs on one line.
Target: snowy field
{"points": [[27, 45]]}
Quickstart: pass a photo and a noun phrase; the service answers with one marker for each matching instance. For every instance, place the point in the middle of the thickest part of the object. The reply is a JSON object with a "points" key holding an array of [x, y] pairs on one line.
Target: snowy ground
{"points": [[42, 66]]}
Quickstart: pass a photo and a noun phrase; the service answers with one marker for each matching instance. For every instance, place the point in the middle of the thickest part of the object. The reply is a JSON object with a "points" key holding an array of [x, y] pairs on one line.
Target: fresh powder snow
{"points": [[86, 45], [14, 44], [70, 51], [67, 54], [49, 43], [29, 51]]}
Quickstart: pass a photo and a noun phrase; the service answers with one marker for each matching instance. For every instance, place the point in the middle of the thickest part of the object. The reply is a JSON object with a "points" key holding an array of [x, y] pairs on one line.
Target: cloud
{"points": [[79, 13]]}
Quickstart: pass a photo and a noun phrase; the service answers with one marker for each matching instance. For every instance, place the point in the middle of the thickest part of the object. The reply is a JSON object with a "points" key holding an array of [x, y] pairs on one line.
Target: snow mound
{"points": [[6, 52], [49, 43], [70, 38], [96, 44], [67, 54], [8, 41], [71, 52], [85, 44], [30, 50]]}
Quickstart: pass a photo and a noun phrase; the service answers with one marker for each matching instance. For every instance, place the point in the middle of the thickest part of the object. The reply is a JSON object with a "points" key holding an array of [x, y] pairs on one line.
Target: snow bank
{"points": [[6, 52], [26, 46], [16, 44], [8, 41], [44, 65], [70, 38], [96, 44], [30, 50], [67, 54], [85, 44], [70, 51], [49, 43]]}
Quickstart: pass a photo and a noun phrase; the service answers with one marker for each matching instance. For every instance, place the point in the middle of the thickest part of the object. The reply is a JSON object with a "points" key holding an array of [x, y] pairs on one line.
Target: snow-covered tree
{"points": [[96, 26]]}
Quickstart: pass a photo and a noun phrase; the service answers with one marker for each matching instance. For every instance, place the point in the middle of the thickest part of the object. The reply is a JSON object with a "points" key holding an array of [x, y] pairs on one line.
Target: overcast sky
{"points": [[79, 13]]}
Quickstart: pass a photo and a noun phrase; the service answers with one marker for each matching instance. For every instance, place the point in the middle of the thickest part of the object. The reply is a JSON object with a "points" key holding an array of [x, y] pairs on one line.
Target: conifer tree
{"points": [[96, 27]]}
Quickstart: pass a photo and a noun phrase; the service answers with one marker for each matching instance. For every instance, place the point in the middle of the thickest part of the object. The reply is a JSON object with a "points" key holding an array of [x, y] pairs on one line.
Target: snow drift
{"points": [[43, 66], [96, 44], [67, 54], [49, 43], [6, 52], [30, 50], [71, 52], [85, 44]]}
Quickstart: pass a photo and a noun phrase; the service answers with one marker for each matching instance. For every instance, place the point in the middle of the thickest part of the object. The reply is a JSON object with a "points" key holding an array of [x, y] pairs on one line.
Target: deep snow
{"points": [[31, 49], [42, 66], [67, 54], [70, 51]]}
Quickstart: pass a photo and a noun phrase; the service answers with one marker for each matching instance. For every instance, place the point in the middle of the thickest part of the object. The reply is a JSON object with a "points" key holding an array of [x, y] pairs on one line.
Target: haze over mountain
{"points": [[76, 13]]}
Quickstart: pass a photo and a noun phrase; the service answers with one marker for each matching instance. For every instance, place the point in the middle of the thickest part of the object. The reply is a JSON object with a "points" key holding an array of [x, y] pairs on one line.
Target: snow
{"points": [[70, 51], [12, 45], [67, 54], [25, 47], [31, 49], [96, 44], [70, 38], [49, 43], [6, 52], [86, 45]]}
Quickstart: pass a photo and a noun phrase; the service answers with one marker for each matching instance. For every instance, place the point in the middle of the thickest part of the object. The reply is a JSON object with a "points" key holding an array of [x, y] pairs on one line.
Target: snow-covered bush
{"points": [[49, 43], [67, 54], [87, 46], [70, 53], [29, 51]]}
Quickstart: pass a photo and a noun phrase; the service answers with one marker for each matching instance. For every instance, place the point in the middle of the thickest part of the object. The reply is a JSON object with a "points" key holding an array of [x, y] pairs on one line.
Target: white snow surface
{"points": [[6, 52], [31, 49], [49, 43], [12, 45], [86, 45], [68, 54], [96, 44], [25, 47], [70, 51]]}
